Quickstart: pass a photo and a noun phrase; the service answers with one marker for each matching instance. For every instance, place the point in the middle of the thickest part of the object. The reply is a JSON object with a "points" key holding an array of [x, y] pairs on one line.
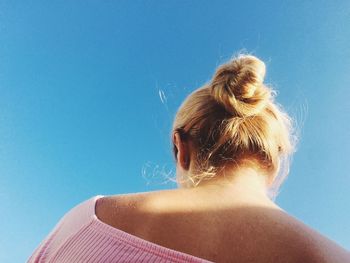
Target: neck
{"points": [[243, 187], [240, 184]]}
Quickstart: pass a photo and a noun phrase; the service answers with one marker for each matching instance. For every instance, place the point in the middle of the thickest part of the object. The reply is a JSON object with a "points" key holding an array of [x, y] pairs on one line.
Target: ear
{"points": [[181, 150]]}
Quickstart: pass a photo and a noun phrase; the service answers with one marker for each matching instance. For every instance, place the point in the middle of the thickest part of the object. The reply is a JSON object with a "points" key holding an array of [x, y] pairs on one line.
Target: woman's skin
{"points": [[227, 219]]}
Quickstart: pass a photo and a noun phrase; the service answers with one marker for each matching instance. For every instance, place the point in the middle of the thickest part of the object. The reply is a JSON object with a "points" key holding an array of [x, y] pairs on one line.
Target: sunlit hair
{"points": [[233, 119]]}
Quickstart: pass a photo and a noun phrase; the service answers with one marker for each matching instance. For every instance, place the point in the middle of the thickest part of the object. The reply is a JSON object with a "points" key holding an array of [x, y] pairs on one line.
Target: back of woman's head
{"points": [[233, 119]]}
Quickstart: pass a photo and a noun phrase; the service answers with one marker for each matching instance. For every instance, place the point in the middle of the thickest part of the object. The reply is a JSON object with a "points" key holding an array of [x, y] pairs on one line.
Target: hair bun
{"points": [[238, 86]]}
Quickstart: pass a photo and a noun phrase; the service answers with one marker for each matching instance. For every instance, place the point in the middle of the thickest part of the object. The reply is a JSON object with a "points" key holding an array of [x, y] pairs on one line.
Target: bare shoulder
{"points": [[260, 234], [127, 211], [119, 210], [315, 247]]}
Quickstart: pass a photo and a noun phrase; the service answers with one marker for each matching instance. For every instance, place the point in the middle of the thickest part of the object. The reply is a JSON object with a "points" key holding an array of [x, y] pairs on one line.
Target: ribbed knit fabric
{"points": [[81, 237]]}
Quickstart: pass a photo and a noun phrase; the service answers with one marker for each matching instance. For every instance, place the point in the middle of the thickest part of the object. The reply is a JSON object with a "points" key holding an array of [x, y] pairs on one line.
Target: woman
{"points": [[231, 141]]}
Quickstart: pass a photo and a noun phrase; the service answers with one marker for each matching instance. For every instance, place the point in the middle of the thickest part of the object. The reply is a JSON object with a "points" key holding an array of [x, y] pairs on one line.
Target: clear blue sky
{"points": [[81, 112]]}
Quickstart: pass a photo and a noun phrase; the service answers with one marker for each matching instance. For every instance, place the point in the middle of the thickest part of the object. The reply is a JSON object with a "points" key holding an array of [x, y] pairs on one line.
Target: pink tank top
{"points": [[81, 237]]}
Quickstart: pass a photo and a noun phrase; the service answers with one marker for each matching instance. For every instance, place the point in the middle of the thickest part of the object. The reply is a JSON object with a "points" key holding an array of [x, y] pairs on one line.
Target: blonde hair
{"points": [[233, 118]]}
